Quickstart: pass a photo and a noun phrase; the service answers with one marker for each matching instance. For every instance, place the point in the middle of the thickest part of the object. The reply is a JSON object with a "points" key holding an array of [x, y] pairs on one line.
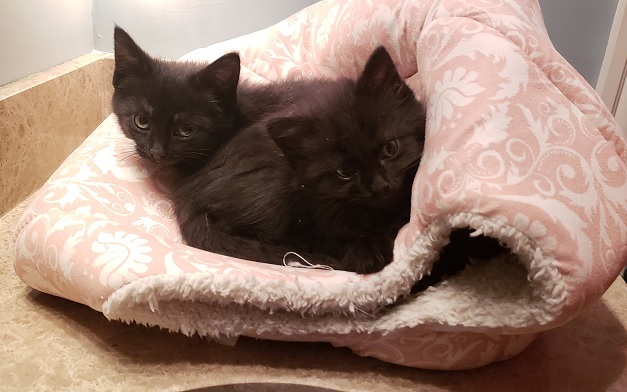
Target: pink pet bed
{"points": [[519, 147]]}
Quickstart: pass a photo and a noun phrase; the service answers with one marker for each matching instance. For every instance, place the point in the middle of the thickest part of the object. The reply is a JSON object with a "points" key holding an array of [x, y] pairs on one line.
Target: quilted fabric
{"points": [[519, 147]]}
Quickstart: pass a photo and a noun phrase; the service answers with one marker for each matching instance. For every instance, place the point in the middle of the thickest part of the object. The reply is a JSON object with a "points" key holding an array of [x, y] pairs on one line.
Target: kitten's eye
{"points": [[389, 149], [185, 130], [345, 173], [141, 122]]}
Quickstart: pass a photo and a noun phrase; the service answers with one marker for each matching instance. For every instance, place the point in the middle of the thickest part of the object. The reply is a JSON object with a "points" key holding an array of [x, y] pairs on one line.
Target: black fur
{"points": [[277, 186], [205, 99]]}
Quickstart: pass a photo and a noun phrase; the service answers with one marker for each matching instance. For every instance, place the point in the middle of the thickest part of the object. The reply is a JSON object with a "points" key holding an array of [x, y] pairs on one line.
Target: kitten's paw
{"points": [[367, 257]]}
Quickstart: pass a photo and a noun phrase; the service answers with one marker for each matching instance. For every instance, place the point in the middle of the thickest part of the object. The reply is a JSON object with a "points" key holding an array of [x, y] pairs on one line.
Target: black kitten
{"points": [[180, 113], [329, 177]]}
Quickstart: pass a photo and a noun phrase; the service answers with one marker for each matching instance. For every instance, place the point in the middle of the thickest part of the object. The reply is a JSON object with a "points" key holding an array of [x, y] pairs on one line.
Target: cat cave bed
{"points": [[519, 147]]}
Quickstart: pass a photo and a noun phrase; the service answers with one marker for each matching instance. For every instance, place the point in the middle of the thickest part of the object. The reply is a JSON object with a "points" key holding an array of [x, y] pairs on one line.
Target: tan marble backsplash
{"points": [[44, 117]]}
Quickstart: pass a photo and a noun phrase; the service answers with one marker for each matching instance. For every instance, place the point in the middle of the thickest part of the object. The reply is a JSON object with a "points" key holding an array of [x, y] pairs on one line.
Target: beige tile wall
{"points": [[44, 117]]}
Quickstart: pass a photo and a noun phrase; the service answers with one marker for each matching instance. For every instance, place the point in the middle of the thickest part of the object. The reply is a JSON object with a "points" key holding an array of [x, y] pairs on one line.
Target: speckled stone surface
{"points": [[52, 344], [45, 116]]}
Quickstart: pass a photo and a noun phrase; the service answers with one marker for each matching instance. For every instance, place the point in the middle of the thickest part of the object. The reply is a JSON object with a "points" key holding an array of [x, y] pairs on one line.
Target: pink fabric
{"points": [[514, 134]]}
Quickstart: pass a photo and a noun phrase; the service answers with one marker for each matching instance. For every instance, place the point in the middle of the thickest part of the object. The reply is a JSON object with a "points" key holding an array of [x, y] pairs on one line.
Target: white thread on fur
{"points": [[364, 312], [307, 265]]}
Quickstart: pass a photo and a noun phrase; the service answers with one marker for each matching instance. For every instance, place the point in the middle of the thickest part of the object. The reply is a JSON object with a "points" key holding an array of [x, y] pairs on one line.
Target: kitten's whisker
{"points": [[123, 152], [124, 159], [126, 153]]}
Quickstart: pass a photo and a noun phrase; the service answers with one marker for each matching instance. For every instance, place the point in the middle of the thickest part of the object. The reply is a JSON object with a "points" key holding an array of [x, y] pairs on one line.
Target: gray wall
{"points": [[173, 28], [39, 34], [580, 30]]}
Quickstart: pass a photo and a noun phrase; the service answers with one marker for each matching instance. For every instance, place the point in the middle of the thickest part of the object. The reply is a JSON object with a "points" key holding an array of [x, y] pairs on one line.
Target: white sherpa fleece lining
{"points": [[508, 292]]}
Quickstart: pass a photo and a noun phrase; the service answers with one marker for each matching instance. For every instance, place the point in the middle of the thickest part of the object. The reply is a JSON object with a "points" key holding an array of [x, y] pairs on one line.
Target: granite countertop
{"points": [[49, 343]]}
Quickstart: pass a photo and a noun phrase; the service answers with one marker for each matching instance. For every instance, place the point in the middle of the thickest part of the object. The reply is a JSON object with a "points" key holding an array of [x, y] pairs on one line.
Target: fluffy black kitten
{"points": [[180, 113], [328, 177]]}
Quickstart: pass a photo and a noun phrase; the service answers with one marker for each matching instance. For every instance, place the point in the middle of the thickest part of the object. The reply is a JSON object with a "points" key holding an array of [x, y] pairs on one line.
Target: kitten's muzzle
{"points": [[149, 156], [379, 186], [382, 196], [157, 152]]}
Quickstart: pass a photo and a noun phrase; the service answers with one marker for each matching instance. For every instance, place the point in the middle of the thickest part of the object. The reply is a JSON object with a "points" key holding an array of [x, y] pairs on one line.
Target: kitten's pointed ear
{"points": [[221, 77], [130, 59], [290, 134], [379, 72]]}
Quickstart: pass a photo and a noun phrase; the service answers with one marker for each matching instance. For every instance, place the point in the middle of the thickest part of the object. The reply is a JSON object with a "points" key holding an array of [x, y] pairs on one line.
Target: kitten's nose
{"points": [[379, 184], [156, 151]]}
